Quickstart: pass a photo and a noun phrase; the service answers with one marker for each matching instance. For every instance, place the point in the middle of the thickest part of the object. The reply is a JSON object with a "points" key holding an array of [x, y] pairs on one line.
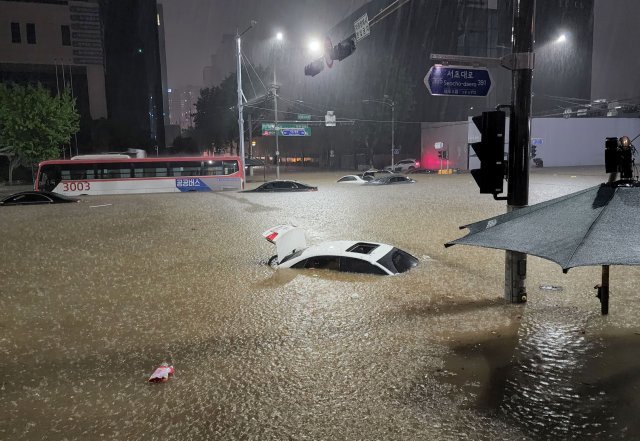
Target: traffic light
{"points": [[343, 49], [440, 154], [490, 151], [314, 68]]}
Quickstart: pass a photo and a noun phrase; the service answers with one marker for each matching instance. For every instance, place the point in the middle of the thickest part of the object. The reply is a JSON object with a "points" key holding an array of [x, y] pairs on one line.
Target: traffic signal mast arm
{"points": [[348, 46]]}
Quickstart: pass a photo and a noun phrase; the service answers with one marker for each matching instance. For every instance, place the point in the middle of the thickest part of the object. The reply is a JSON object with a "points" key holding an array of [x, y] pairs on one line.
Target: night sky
{"points": [[194, 28]]}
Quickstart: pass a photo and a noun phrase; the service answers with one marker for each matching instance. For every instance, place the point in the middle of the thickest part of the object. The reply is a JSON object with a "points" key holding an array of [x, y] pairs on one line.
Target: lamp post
{"points": [[240, 104], [391, 103], [279, 37]]}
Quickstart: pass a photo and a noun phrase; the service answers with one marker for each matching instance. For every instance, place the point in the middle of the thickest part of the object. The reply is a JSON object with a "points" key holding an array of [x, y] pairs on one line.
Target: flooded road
{"points": [[95, 295]]}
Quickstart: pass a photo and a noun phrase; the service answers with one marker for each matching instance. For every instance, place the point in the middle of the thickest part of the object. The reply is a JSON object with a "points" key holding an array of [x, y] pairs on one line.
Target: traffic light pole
{"points": [[519, 139]]}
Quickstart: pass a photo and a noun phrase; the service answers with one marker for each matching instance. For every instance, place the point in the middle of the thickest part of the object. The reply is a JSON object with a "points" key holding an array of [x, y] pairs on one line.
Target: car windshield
{"points": [[398, 261]]}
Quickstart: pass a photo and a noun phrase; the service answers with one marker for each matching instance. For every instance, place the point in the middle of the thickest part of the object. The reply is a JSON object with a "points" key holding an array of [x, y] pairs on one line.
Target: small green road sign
{"points": [[304, 117]]}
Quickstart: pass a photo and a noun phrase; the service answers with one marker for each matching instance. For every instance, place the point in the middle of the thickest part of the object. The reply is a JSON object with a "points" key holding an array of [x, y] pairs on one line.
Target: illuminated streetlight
{"points": [[279, 36], [314, 46], [562, 38]]}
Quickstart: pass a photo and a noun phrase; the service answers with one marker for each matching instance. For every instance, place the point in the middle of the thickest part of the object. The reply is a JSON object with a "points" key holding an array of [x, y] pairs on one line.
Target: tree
{"points": [[186, 145], [34, 124], [214, 118]]}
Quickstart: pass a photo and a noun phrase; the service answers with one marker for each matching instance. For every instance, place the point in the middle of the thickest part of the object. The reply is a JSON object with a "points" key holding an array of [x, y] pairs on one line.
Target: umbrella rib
{"points": [[582, 241]]}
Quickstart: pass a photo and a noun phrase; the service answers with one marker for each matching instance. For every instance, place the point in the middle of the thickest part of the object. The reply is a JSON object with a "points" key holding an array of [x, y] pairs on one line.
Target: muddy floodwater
{"points": [[95, 295]]}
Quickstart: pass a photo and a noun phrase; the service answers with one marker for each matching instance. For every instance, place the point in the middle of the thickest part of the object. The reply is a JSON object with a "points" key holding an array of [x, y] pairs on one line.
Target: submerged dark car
{"points": [[283, 185], [33, 197], [391, 180]]}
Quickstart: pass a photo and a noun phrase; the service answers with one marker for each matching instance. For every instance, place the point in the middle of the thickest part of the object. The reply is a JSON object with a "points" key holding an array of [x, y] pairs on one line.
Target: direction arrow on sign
{"points": [[458, 81]]}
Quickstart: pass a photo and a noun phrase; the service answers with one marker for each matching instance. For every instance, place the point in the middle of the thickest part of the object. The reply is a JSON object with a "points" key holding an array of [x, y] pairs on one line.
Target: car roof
{"points": [[340, 247]]}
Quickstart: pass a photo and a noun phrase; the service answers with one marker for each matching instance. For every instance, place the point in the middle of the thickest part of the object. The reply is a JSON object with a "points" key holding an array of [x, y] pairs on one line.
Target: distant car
{"points": [[421, 171], [352, 180], [391, 180], [344, 255], [404, 165], [33, 197], [283, 185]]}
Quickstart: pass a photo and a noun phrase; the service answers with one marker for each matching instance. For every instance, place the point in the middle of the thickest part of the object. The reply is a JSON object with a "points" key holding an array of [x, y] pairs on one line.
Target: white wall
{"points": [[578, 141], [565, 141]]}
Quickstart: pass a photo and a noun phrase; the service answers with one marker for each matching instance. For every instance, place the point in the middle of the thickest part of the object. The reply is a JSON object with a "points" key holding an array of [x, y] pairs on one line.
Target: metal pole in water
{"points": [[519, 138]]}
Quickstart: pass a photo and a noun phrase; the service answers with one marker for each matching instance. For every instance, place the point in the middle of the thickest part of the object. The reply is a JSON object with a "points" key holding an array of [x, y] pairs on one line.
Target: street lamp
{"points": [[240, 104], [388, 102], [279, 39], [315, 47]]}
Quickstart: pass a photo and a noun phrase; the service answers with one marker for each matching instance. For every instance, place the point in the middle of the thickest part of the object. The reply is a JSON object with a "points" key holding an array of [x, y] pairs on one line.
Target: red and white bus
{"points": [[119, 174]]}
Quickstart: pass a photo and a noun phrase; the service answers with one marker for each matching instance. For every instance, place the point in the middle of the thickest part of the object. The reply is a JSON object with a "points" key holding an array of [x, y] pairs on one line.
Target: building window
{"points": [[66, 35], [15, 33], [31, 33]]}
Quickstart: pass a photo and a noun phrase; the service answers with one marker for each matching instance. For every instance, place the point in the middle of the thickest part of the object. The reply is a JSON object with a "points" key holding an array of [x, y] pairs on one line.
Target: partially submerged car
{"points": [[344, 255], [372, 173], [390, 180], [352, 180], [283, 185], [35, 197]]}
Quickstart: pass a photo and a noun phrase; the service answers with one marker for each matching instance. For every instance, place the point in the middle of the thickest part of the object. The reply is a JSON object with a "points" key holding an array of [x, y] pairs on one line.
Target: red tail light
{"points": [[272, 236], [417, 163]]}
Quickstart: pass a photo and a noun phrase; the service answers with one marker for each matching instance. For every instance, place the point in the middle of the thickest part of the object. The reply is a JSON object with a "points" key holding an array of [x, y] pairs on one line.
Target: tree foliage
{"points": [[215, 120], [34, 124]]}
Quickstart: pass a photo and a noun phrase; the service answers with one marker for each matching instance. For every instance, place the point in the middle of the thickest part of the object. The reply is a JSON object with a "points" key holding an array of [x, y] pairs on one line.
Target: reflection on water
{"points": [[93, 300], [545, 390]]}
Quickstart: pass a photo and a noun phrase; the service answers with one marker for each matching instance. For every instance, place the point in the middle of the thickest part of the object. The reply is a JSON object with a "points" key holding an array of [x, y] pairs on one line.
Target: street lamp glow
{"points": [[279, 36], [314, 46], [562, 38]]}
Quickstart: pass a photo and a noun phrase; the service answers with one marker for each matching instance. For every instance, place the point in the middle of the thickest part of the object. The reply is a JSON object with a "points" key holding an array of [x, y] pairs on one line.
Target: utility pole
{"points": [[393, 143], [519, 138], [250, 143], [275, 110]]}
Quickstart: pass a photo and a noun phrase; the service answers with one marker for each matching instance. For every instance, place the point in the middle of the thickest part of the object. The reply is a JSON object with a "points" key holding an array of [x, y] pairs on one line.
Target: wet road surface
{"points": [[95, 295]]}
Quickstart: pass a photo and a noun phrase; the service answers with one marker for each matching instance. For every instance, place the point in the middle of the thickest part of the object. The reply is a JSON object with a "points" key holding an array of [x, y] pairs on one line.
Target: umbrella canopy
{"points": [[596, 226]]}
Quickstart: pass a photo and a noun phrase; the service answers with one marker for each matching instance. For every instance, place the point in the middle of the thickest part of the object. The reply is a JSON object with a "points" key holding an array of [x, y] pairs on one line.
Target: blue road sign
{"points": [[537, 141], [458, 81], [293, 132]]}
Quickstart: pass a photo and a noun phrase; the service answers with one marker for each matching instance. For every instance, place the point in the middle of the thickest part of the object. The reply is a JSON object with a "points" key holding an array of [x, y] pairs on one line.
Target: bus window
{"points": [[150, 170], [212, 168], [115, 171], [49, 177], [185, 169], [230, 167]]}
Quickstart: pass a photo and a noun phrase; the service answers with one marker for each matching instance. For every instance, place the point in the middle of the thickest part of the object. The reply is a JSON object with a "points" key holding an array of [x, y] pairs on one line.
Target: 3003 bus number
{"points": [[76, 186]]}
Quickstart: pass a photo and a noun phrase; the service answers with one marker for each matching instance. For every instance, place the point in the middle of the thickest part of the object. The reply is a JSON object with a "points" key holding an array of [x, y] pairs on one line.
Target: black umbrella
{"points": [[596, 226]]}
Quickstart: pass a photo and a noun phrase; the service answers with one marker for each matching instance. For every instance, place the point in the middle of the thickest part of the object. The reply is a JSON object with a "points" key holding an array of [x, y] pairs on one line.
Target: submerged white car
{"points": [[352, 179], [343, 255]]}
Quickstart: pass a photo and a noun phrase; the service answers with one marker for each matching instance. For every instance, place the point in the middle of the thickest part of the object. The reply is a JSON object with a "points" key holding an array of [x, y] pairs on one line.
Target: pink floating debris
{"points": [[162, 373]]}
